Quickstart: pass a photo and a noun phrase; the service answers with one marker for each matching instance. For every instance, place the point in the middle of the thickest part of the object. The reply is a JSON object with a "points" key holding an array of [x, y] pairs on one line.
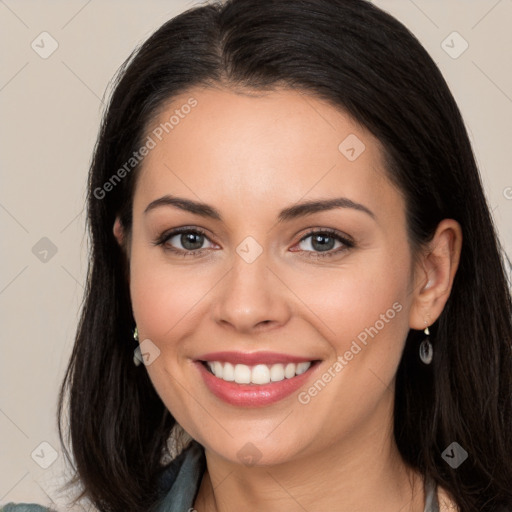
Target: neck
{"points": [[363, 471]]}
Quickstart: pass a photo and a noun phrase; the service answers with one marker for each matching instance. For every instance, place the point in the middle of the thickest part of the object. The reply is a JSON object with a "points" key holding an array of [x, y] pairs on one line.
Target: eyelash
{"points": [[348, 244]]}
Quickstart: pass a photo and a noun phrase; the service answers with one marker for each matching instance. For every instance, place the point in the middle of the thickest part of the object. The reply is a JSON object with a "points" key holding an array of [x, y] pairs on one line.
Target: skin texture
{"points": [[250, 155]]}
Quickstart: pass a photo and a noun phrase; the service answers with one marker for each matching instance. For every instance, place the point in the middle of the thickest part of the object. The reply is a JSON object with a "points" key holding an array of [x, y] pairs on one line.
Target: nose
{"points": [[251, 298]]}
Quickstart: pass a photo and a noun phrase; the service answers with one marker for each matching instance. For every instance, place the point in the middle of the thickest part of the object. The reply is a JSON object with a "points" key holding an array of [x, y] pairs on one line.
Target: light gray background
{"points": [[50, 113]]}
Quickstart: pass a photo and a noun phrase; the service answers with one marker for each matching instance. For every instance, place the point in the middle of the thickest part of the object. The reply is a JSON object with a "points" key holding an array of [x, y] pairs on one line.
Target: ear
{"points": [[119, 231], [434, 274]]}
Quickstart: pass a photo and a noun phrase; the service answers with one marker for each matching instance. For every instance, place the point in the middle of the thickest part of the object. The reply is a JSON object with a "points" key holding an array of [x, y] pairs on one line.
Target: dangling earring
{"points": [[137, 358], [426, 349]]}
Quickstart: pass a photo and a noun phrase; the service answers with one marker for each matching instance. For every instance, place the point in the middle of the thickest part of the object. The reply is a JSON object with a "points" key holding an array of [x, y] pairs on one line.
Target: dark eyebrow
{"points": [[309, 207], [185, 204], [292, 212]]}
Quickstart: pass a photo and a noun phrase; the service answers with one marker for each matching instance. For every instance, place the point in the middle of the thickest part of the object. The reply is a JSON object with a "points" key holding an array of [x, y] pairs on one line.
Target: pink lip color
{"points": [[252, 395]]}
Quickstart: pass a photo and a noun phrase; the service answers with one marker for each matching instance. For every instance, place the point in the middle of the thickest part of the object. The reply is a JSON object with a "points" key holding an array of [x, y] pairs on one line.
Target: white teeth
{"points": [[302, 367], [228, 372], [242, 374], [258, 374], [276, 372], [289, 370], [217, 369]]}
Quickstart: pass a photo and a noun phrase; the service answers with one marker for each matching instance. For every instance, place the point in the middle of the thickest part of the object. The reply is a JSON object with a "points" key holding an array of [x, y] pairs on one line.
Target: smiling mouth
{"points": [[258, 374]]}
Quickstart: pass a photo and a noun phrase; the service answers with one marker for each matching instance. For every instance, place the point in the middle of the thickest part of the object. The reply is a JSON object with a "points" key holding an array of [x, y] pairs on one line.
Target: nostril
{"points": [[263, 323]]}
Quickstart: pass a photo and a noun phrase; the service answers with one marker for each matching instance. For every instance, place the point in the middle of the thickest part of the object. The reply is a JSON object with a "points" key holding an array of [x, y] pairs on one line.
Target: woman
{"points": [[294, 271]]}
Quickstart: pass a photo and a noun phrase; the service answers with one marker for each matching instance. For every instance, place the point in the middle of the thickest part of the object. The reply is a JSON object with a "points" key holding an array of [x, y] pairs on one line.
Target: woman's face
{"points": [[262, 280]]}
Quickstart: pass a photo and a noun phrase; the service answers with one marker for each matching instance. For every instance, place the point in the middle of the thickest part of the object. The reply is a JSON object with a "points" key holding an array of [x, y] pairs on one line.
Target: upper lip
{"points": [[253, 358]]}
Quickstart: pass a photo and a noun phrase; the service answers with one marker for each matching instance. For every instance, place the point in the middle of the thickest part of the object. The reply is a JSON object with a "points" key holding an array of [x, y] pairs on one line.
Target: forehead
{"points": [[257, 148]]}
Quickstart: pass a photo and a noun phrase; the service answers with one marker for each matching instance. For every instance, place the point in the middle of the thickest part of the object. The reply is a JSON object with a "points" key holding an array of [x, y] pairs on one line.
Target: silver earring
{"points": [[426, 349], [137, 358]]}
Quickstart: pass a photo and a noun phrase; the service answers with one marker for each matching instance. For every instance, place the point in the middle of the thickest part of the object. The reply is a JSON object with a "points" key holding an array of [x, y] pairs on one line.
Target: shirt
{"points": [[180, 481]]}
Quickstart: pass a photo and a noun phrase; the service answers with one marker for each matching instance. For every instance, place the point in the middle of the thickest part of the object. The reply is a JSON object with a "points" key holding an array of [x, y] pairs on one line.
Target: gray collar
{"points": [[431, 502], [183, 475]]}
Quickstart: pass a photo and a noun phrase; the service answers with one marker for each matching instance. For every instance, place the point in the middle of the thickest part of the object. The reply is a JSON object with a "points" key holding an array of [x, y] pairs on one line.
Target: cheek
{"points": [[362, 295], [362, 313], [166, 303], [165, 297]]}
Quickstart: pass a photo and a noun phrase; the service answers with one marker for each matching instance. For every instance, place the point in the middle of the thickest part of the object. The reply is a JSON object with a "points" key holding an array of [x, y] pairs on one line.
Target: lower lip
{"points": [[253, 395]]}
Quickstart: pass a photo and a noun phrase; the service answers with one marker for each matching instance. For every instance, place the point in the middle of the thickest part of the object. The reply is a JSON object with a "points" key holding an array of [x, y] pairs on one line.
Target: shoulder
{"points": [[23, 507]]}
